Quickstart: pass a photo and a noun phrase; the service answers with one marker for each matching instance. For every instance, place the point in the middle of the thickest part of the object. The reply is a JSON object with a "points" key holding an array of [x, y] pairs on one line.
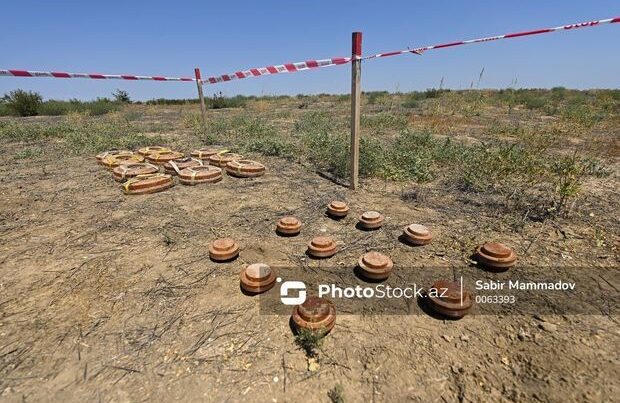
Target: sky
{"points": [[172, 37]]}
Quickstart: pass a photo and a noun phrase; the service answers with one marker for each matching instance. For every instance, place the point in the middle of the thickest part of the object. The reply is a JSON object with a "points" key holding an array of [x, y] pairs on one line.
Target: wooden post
{"points": [[203, 110], [356, 73]]}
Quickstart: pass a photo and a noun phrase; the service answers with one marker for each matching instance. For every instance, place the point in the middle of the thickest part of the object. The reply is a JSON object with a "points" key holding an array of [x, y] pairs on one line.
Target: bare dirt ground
{"points": [[106, 297]]}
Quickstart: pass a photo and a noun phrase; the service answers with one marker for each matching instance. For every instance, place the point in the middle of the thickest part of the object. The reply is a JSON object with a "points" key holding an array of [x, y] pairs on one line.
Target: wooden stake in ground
{"points": [[356, 73], [203, 110]]}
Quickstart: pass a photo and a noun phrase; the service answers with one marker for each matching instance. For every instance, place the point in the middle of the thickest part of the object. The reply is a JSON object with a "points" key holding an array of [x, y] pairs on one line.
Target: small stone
{"points": [[313, 365], [447, 338], [464, 337], [548, 327], [505, 361]]}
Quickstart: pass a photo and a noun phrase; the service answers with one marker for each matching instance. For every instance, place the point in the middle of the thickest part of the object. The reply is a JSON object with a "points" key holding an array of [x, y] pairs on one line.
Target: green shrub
{"points": [[122, 97], [219, 101], [271, 145], [23, 103]]}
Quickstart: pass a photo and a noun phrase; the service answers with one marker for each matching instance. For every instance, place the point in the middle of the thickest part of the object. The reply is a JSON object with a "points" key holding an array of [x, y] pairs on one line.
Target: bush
{"points": [[23, 103], [100, 106], [121, 96]]}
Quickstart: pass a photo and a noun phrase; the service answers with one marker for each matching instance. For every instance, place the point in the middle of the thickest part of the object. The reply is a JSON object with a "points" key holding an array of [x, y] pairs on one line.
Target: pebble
{"points": [[548, 327], [464, 337], [447, 338]]}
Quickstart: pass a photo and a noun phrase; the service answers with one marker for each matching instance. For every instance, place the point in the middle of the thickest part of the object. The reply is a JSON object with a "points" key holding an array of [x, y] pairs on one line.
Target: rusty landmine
{"points": [[417, 234], [444, 297], [288, 226], [222, 158], [175, 166], [322, 247], [496, 256], [151, 183], [153, 149], [104, 154], [338, 209], [200, 174], [257, 278], [375, 266], [112, 161], [161, 157], [316, 314], [245, 168], [127, 171], [371, 220], [205, 152], [224, 249]]}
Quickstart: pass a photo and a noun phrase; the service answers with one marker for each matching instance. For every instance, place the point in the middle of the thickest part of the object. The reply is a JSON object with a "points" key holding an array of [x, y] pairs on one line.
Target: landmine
{"points": [[200, 174]]}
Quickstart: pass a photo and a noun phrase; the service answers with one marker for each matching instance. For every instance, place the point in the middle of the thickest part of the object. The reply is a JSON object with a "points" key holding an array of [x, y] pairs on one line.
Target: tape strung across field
{"points": [[301, 66]]}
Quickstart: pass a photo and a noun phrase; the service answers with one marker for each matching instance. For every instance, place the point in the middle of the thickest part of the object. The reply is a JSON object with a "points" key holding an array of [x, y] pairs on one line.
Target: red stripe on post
{"points": [[225, 77], [159, 78], [60, 75], [356, 49], [312, 64], [212, 80], [185, 79], [129, 77], [240, 74], [617, 19], [538, 31], [255, 72], [272, 69], [20, 73], [290, 67], [197, 73], [97, 76], [339, 60]]}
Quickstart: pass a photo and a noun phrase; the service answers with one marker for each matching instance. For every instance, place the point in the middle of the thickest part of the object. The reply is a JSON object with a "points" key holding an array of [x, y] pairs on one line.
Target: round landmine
{"points": [[245, 168], [496, 256], [151, 183], [257, 278], [337, 209], [288, 226], [322, 247], [162, 157], [417, 234], [222, 158], [200, 174], [315, 314], [223, 249], [205, 152], [104, 154], [127, 171], [153, 149], [371, 220], [114, 160], [175, 166], [444, 298], [375, 266]]}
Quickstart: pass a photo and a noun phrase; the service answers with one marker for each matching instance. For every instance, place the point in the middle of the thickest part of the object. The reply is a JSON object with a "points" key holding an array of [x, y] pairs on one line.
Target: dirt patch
{"points": [[111, 297]]}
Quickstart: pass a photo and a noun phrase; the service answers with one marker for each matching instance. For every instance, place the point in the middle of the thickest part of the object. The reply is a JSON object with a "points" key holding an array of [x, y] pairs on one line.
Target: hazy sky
{"points": [[172, 37]]}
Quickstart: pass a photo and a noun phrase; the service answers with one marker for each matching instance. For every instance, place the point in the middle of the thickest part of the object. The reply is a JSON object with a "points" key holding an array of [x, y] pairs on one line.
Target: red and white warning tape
{"points": [[419, 51], [58, 74], [300, 66], [282, 68]]}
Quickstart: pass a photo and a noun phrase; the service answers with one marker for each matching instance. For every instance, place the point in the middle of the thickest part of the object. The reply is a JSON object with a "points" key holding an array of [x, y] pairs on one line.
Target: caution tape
{"points": [[94, 76], [568, 27], [301, 66], [282, 68]]}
